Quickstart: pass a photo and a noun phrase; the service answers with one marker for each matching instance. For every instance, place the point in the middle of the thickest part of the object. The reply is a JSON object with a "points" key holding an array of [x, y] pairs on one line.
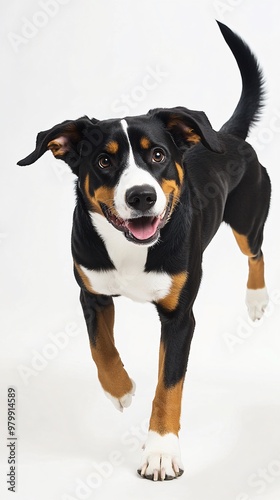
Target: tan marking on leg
{"points": [[101, 195], [166, 410], [84, 278], [243, 244], [256, 264], [112, 147], [171, 300], [256, 273], [111, 373], [145, 143]]}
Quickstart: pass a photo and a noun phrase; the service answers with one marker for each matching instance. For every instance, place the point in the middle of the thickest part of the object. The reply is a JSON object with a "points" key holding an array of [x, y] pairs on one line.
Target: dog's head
{"points": [[129, 171]]}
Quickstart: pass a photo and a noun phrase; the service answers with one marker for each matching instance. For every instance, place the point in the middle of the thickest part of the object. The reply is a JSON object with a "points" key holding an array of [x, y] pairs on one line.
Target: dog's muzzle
{"points": [[143, 227]]}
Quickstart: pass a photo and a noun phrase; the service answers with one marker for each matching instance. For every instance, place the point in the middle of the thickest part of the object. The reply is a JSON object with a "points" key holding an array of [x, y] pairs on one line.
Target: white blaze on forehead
{"points": [[133, 175]]}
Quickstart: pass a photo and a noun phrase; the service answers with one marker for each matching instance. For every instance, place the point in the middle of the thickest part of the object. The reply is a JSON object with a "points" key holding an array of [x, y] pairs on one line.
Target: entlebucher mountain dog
{"points": [[152, 191]]}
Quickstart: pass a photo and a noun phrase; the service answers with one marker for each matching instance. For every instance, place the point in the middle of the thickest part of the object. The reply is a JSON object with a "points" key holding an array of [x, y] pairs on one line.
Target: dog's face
{"points": [[130, 170], [133, 178]]}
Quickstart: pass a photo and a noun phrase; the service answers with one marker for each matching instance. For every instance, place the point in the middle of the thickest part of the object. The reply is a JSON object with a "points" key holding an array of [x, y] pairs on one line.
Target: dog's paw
{"points": [[256, 301], [161, 459], [125, 401]]}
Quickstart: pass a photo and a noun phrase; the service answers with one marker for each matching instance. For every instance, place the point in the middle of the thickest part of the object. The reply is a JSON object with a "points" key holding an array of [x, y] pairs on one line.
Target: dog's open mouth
{"points": [[139, 229]]}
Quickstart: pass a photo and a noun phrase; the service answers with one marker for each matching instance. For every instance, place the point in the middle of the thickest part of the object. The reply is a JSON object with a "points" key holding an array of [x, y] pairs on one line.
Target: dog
{"points": [[152, 191]]}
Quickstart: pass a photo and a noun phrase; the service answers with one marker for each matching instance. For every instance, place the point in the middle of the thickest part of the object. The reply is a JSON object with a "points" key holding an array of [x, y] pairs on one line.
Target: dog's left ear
{"points": [[189, 127], [64, 140]]}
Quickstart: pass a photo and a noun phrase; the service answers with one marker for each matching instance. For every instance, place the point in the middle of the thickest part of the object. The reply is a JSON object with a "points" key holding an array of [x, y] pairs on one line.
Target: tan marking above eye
{"points": [[112, 147], [145, 143]]}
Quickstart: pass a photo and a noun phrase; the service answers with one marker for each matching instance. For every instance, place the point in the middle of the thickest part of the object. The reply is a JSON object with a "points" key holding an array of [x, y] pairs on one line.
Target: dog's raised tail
{"points": [[247, 111]]}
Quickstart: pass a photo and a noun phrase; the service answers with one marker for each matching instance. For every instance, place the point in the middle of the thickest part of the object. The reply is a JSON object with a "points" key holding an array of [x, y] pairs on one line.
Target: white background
{"points": [[82, 59]]}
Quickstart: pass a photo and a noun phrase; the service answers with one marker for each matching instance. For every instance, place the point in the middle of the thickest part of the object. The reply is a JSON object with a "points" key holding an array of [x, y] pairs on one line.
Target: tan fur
{"points": [[170, 302], [167, 403], [256, 264], [111, 373]]}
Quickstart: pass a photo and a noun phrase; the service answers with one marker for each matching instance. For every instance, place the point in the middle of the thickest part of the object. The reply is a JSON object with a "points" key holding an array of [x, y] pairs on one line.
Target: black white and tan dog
{"points": [[152, 191]]}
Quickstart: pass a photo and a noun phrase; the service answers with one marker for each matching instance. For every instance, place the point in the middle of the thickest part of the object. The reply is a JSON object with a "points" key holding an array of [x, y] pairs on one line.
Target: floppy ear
{"points": [[189, 127], [63, 140]]}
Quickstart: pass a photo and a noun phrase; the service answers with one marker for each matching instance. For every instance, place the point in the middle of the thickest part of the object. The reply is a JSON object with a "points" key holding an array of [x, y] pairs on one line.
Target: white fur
{"points": [[123, 402], [129, 278], [161, 456], [136, 176], [256, 301]]}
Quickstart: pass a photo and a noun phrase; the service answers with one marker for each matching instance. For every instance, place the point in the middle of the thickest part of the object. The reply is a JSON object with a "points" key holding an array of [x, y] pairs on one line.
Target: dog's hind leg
{"points": [[99, 315], [256, 294], [246, 211]]}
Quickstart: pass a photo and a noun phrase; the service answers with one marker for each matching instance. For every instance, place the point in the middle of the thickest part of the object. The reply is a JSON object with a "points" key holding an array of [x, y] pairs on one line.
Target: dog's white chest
{"points": [[142, 287], [128, 278]]}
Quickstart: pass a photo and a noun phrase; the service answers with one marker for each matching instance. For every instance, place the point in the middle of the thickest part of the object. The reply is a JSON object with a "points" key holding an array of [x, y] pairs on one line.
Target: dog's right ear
{"points": [[64, 140]]}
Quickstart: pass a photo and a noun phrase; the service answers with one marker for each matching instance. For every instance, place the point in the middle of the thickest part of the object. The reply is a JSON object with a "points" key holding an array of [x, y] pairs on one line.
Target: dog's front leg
{"points": [[99, 315], [161, 456]]}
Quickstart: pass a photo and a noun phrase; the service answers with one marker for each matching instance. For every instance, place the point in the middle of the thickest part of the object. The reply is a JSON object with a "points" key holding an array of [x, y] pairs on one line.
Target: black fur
{"points": [[247, 111], [223, 181]]}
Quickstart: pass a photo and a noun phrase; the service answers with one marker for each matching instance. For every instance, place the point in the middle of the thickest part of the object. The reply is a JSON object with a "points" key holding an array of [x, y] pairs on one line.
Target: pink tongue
{"points": [[144, 227]]}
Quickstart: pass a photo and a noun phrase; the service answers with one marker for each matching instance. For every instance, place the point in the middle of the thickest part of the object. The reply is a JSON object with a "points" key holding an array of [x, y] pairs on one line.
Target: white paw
{"points": [[161, 459], [256, 301], [125, 400]]}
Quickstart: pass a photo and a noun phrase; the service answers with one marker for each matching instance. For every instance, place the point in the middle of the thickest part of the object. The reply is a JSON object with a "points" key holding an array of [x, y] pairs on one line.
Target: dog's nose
{"points": [[141, 197]]}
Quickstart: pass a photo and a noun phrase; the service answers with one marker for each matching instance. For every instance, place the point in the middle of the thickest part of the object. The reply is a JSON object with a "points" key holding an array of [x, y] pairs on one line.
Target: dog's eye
{"points": [[158, 156], [104, 161]]}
